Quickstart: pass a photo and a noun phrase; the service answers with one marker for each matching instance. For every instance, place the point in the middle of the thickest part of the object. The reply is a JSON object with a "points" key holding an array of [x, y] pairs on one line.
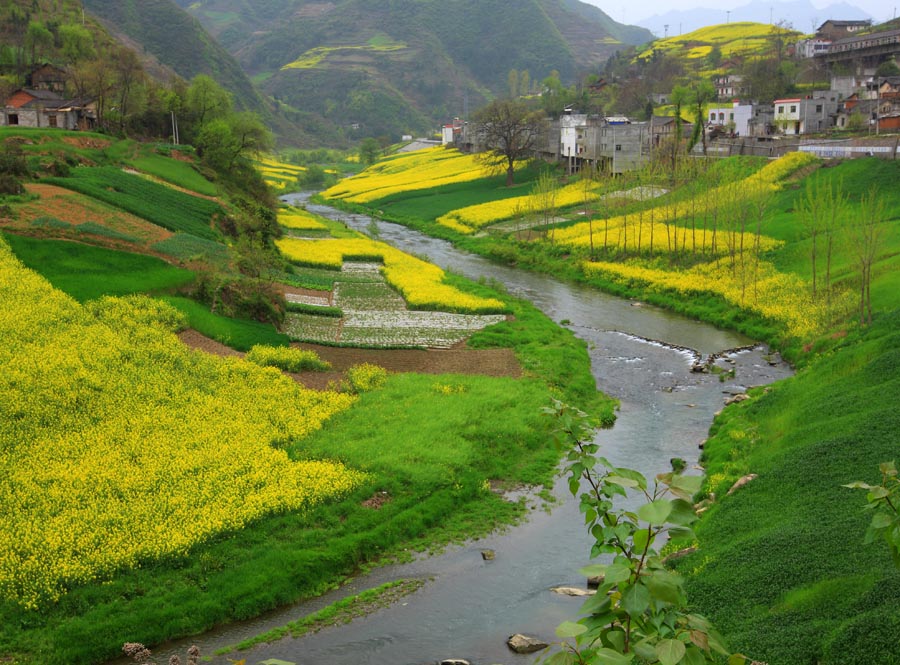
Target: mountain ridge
{"points": [[408, 65]]}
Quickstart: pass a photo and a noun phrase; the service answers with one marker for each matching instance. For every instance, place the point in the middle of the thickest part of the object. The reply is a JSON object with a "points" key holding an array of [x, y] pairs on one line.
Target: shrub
{"points": [[365, 377], [288, 359]]}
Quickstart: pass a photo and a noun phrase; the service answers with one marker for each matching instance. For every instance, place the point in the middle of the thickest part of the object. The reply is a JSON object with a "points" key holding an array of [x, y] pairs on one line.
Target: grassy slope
{"points": [[86, 272], [478, 429], [781, 568]]}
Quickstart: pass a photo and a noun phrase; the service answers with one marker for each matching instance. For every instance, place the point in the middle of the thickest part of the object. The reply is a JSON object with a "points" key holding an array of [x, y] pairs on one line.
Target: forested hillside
{"points": [[406, 66], [176, 40]]}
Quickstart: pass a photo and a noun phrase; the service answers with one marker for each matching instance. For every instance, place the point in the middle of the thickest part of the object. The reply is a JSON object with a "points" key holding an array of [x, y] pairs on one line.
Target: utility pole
{"points": [[728, 16], [666, 31]]}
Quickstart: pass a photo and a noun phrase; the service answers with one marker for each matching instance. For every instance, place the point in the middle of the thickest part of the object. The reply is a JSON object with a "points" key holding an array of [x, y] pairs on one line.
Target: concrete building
{"points": [[807, 115], [734, 118]]}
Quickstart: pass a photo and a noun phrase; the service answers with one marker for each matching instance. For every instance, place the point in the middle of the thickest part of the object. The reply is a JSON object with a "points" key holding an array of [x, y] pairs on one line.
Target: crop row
{"points": [[164, 206]]}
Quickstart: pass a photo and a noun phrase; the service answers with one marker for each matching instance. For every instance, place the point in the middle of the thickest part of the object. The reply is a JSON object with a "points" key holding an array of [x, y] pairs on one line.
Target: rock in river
{"points": [[525, 644]]}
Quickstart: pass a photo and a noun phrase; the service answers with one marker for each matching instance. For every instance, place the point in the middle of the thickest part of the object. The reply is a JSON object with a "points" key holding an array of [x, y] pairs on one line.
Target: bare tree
{"points": [[510, 131], [866, 234], [544, 195]]}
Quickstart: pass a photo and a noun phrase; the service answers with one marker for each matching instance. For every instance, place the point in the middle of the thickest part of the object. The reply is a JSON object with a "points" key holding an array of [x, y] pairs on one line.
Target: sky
{"points": [[632, 12]]}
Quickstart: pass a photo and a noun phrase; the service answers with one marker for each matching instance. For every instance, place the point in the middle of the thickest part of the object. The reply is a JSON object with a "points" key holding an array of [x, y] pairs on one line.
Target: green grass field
{"points": [[781, 568], [86, 272]]}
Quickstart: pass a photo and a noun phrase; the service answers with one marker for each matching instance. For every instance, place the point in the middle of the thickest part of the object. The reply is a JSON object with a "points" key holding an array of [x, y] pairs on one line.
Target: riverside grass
{"points": [[782, 569], [284, 557]]}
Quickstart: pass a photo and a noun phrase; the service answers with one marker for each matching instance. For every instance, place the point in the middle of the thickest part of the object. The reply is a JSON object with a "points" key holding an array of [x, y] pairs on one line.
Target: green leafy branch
{"points": [[639, 613], [884, 500]]}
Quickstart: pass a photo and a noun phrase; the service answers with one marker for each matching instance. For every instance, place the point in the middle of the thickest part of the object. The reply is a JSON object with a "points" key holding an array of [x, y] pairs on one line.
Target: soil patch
{"points": [[486, 362], [87, 142], [298, 291], [75, 209]]}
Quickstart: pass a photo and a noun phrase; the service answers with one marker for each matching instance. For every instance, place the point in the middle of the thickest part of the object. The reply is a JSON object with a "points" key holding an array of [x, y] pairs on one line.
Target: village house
{"points": [[729, 86], [833, 30], [733, 118], [810, 48], [807, 115], [663, 127], [30, 107]]}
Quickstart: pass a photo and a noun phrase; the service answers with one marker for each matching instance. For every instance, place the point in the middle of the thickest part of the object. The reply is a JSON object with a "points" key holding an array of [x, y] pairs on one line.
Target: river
{"points": [[640, 354]]}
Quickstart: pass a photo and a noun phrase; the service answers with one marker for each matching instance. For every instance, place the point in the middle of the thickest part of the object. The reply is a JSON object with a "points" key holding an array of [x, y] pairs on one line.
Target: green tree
{"points": [[38, 39], [510, 131], [544, 196], [700, 95], [512, 83], [866, 234], [206, 100], [77, 42], [222, 142], [369, 151]]}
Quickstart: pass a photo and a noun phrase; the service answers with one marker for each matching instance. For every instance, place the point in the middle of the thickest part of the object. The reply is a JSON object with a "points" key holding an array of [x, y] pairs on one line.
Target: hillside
{"points": [[178, 41], [406, 66], [705, 48]]}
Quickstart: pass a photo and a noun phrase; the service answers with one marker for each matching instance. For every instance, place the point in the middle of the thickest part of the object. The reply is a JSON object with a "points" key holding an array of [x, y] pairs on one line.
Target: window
{"points": [[793, 109], [51, 120], [13, 119], [818, 108], [618, 147], [731, 117], [780, 109]]}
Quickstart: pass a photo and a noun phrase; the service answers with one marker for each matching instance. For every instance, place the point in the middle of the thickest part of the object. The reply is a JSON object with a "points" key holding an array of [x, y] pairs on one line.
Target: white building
{"points": [[810, 48], [734, 117]]}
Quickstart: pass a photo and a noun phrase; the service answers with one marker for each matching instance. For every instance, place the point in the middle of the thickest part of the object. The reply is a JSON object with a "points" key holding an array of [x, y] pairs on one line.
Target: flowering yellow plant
{"points": [[421, 169], [767, 179], [299, 219], [119, 445], [420, 283], [758, 287]]}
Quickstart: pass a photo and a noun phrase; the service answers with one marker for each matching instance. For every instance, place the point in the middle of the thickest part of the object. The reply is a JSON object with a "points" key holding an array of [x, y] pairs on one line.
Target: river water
{"points": [[468, 607]]}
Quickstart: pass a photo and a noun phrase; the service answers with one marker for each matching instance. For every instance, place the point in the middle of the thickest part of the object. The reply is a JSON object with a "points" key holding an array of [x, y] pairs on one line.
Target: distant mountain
{"points": [[801, 15], [371, 68]]}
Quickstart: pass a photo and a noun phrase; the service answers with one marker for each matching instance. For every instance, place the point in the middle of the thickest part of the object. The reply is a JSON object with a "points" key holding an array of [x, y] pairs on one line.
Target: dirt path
{"points": [[486, 362]]}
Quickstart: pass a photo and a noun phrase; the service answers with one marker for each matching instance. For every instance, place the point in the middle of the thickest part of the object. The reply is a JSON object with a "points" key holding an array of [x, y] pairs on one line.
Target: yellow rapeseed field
{"points": [[715, 202], [472, 218], [421, 169], [119, 445], [420, 283], [759, 287], [299, 220]]}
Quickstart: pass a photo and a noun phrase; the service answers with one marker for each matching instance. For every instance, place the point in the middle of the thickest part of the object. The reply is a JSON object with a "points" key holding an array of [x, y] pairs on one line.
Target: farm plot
{"points": [[164, 206], [376, 315]]}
